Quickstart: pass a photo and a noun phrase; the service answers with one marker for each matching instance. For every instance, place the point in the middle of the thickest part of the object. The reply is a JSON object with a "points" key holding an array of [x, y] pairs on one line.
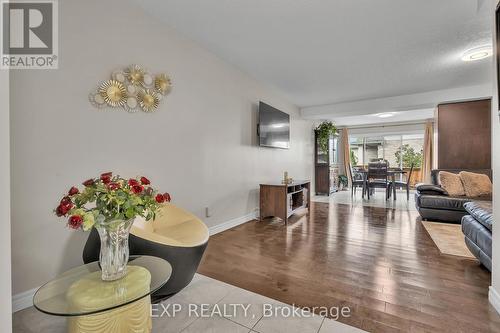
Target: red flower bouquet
{"points": [[110, 198]]}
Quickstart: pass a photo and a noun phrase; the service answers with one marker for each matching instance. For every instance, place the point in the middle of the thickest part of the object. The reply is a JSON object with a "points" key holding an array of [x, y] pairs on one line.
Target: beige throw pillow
{"points": [[476, 184], [452, 183]]}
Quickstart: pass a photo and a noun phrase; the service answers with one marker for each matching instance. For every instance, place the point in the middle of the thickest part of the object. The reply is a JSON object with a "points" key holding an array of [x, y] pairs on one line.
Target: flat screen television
{"points": [[274, 127]]}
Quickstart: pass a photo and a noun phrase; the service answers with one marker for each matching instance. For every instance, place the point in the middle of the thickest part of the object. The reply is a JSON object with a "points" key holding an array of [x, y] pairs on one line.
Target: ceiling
{"points": [[376, 119], [320, 52]]}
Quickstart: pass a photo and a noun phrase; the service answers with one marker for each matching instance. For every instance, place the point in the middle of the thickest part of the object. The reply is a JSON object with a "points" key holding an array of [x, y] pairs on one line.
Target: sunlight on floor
{"points": [[376, 200]]}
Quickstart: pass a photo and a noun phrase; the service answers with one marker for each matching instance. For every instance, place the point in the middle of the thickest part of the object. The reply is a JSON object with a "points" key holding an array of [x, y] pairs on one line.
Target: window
{"points": [[356, 151], [373, 149], [412, 149], [399, 150]]}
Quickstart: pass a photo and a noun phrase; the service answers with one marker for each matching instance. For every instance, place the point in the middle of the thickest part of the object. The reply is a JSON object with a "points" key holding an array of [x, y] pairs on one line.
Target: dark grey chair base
{"points": [[441, 215], [184, 260]]}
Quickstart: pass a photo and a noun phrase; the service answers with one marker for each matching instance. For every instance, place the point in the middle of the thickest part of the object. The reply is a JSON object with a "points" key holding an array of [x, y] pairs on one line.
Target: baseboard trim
{"points": [[232, 223], [23, 300], [494, 298]]}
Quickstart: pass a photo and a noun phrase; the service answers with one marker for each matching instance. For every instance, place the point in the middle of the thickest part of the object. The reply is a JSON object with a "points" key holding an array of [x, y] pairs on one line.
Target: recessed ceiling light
{"points": [[477, 53], [385, 114]]}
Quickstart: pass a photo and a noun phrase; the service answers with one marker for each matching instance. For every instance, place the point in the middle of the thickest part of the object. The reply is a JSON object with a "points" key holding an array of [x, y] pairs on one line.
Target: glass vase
{"points": [[114, 248]]}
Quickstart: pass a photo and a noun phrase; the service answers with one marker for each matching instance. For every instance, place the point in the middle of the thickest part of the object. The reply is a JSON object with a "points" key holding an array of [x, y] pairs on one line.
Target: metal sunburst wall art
{"points": [[132, 89]]}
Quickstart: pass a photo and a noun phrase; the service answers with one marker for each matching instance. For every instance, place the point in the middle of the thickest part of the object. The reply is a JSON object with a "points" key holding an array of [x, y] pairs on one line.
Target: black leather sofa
{"points": [[435, 204], [477, 228]]}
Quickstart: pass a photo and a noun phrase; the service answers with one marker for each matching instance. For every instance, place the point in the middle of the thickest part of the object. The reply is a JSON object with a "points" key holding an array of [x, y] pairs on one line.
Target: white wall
{"points": [[388, 129], [5, 268], [494, 294], [200, 145]]}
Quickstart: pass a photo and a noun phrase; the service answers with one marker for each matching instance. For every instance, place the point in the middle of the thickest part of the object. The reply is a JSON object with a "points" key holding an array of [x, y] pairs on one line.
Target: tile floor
{"points": [[376, 200], [219, 298]]}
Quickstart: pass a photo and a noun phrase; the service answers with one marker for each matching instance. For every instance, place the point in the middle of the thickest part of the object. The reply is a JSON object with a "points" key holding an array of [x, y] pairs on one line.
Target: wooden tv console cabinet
{"points": [[283, 200]]}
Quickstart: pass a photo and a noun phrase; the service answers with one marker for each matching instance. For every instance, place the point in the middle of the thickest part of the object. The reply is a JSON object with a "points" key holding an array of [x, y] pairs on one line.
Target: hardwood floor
{"points": [[379, 262]]}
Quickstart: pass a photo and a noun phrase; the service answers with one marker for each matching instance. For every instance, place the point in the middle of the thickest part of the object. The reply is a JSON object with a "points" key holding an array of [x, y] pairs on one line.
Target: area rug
{"points": [[448, 238]]}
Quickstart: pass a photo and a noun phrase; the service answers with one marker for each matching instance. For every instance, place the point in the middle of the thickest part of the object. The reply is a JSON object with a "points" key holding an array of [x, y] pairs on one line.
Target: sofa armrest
{"points": [[430, 189], [481, 212]]}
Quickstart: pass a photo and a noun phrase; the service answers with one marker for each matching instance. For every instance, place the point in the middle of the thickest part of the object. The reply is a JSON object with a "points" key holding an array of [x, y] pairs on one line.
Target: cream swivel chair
{"points": [[175, 235]]}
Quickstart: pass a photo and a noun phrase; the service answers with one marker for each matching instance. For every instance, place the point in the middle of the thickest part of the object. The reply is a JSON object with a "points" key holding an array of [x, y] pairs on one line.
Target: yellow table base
{"points": [[131, 318], [90, 293]]}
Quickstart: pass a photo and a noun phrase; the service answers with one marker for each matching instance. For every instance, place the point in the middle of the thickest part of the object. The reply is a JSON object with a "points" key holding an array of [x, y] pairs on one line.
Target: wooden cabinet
{"points": [[464, 135], [283, 200], [325, 166]]}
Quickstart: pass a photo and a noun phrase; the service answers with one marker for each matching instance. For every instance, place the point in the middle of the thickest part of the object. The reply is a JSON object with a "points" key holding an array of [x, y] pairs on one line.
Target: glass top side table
{"points": [[81, 292]]}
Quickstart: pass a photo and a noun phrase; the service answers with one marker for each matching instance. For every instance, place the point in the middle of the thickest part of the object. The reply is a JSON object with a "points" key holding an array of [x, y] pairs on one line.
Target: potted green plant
{"points": [[323, 132], [343, 182], [110, 204]]}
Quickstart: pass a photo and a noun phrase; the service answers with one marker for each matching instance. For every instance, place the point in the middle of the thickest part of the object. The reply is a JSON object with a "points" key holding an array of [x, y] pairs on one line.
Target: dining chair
{"points": [[380, 160], [405, 184], [357, 182], [378, 177]]}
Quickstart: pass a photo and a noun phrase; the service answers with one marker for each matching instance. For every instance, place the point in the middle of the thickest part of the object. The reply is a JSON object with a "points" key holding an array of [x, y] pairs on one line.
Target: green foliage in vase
{"points": [[324, 131], [110, 198]]}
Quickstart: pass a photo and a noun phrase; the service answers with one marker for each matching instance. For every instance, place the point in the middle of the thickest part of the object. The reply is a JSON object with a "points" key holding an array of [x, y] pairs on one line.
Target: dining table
{"points": [[391, 173]]}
